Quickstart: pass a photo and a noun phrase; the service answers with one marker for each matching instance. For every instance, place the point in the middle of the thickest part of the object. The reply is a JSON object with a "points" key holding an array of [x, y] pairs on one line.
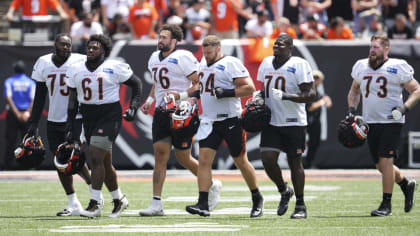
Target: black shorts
{"points": [[229, 130], [383, 140], [289, 139], [102, 120], [56, 133], [161, 130]]}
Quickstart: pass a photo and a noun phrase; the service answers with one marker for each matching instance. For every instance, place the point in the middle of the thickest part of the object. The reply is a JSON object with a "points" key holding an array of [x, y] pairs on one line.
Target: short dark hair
{"points": [[382, 38], [104, 40], [60, 35], [19, 67], [176, 31], [286, 37]]}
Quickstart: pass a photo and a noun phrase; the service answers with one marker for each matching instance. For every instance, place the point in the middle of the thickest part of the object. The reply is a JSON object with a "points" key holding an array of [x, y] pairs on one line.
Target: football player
{"points": [[288, 85], [49, 72], [223, 81], [174, 72], [380, 81], [95, 84]]}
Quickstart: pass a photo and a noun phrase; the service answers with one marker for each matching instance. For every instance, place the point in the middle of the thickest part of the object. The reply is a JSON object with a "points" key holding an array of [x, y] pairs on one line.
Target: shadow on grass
{"points": [[330, 217]]}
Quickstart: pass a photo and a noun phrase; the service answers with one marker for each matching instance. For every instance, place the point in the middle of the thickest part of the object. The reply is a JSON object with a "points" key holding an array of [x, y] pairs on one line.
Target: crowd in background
{"points": [[303, 19]]}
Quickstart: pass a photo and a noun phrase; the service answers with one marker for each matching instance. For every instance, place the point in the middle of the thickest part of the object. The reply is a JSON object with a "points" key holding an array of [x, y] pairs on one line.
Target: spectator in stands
{"points": [[375, 27], [363, 13], [339, 30], [197, 21], [161, 7], [82, 30], [288, 9], [76, 8], [175, 10], [41, 8], [119, 29], [390, 9], [111, 7], [142, 19], [283, 26], [19, 91], [260, 27], [312, 29], [316, 8], [224, 17], [400, 29]]}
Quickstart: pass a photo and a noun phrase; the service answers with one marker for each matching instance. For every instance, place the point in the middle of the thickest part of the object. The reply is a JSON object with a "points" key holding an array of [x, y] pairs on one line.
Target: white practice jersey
{"points": [[101, 86], [170, 73], [382, 88], [222, 74], [54, 77], [288, 77]]}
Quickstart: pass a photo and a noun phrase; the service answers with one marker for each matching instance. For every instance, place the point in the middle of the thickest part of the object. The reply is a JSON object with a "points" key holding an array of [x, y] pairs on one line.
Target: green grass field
{"points": [[334, 208]]}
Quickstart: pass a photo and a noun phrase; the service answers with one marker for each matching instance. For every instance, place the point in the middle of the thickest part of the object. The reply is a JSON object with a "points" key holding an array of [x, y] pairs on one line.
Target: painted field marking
{"points": [[186, 227], [269, 198], [274, 188]]}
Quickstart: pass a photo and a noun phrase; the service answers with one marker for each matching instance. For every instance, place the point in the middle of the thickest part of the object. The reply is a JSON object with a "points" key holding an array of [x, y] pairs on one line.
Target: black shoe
{"points": [[284, 201], [409, 195], [383, 210], [198, 209], [299, 213], [257, 205]]}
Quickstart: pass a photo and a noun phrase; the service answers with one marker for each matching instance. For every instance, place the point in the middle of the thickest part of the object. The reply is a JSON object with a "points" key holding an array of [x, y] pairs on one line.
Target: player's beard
{"points": [[165, 47], [376, 61]]}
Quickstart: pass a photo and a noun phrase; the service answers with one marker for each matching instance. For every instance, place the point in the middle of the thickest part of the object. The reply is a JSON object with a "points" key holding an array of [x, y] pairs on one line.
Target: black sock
{"points": [[386, 197], [282, 187], [203, 198], [255, 191], [299, 200], [403, 184], [156, 198]]}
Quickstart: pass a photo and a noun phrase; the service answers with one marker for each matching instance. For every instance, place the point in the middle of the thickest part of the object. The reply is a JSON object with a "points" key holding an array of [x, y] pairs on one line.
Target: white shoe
{"points": [[93, 210], [214, 194], [119, 206], [71, 210], [155, 209]]}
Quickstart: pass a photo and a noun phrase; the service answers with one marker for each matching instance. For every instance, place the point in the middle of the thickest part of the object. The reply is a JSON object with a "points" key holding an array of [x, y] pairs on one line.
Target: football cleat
{"points": [[71, 211], [299, 213], [409, 195], [198, 209], [284, 201], [257, 205], [155, 209], [94, 209], [383, 210], [119, 206], [214, 194]]}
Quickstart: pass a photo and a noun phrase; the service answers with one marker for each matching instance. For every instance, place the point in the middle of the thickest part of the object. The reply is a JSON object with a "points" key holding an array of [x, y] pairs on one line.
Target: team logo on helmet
{"points": [[69, 159], [31, 152], [352, 133], [256, 115], [185, 119]]}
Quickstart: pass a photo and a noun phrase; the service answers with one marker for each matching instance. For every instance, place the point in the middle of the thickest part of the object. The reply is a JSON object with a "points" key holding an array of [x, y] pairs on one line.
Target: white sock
{"points": [[72, 199], [90, 188], [116, 194], [96, 195]]}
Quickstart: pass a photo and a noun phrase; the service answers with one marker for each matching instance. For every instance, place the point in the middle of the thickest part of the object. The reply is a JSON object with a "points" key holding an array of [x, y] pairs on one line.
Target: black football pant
{"points": [[15, 130]]}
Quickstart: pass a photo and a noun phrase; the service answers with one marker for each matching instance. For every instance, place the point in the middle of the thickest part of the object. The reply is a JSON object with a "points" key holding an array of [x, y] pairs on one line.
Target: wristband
{"points": [[149, 100], [183, 95]]}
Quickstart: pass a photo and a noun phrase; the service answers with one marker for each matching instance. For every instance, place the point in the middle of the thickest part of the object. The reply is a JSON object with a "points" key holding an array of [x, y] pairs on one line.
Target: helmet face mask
{"points": [[352, 133], [69, 159], [31, 152], [256, 116]]}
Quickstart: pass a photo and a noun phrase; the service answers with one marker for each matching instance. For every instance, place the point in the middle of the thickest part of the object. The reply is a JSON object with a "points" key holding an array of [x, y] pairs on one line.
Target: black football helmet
{"points": [[256, 116], [31, 152], [352, 133], [185, 119], [69, 159]]}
